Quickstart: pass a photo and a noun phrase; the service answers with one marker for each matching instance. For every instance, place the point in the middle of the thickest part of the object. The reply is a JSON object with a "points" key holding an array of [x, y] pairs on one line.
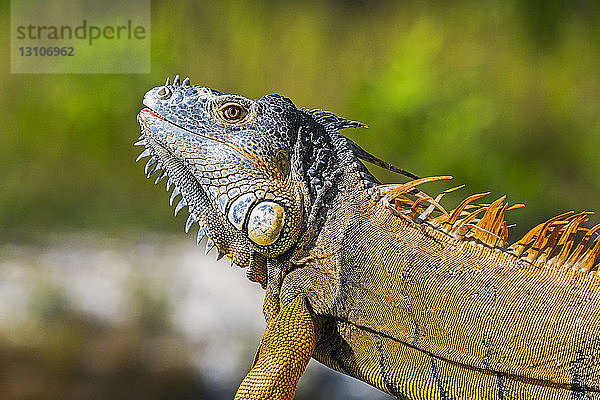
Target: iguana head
{"points": [[230, 159], [250, 172]]}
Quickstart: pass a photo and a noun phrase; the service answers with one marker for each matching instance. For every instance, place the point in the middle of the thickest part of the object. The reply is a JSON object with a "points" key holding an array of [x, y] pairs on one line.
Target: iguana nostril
{"points": [[164, 93]]}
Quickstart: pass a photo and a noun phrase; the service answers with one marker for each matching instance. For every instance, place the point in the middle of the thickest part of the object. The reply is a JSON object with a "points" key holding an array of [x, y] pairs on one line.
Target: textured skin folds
{"points": [[364, 279]]}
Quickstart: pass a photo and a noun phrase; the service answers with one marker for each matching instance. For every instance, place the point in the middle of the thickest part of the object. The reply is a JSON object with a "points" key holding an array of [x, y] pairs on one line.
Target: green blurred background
{"points": [[503, 95]]}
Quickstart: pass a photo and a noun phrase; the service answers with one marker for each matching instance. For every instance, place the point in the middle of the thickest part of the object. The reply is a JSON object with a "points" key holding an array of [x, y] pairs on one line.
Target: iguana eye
{"points": [[233, 112], [164, 93]]}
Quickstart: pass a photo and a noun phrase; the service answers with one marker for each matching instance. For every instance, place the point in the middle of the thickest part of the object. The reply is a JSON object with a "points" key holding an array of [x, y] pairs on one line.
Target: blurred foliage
{"points": [[501, 94], [65, 354]]}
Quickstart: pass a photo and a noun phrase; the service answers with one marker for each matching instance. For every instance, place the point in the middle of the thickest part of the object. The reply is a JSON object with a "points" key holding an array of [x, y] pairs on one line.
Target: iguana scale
{"points": [[377, 281]]}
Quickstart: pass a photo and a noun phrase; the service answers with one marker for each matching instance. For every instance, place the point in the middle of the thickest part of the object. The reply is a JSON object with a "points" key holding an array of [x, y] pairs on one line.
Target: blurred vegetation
{"points": [[501, 94], [64, 354]]}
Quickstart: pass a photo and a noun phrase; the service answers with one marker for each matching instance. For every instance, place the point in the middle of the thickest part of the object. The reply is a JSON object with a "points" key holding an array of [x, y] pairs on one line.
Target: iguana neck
{"points": [[330, 170], [324, 161]]}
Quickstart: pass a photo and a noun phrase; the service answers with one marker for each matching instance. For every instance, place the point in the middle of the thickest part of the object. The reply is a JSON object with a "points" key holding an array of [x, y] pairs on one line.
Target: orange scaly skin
{"points": [[379, 282], [285, 349]]}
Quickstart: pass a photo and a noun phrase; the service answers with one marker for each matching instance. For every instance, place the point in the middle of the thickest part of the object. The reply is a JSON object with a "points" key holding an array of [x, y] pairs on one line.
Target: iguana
{"points": [[377, 281]]}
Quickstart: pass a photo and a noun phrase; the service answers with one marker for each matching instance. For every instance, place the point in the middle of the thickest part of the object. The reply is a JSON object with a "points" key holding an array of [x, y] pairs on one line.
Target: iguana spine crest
{"points": [[553, 243]]}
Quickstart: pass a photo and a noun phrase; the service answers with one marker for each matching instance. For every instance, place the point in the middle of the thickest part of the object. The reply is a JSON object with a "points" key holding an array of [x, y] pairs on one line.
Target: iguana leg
{"points": [[284, 351]]}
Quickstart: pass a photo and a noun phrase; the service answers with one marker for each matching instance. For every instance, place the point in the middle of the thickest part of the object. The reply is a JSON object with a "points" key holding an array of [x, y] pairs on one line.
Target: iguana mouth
{"points": [[151, 112], [186, 185]]}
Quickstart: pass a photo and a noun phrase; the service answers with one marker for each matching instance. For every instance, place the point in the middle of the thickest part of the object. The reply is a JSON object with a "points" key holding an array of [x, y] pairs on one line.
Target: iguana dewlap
{"points": [[376, 281]]}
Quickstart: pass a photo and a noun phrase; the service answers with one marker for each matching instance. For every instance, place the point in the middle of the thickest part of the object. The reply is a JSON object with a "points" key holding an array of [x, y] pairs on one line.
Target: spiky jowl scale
{"points": [[380, 282], [190, 221]]}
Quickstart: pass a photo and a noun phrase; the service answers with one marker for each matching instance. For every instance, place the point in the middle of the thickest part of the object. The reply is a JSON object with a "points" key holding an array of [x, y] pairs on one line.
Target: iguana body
{"points": [[378, 282]]}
